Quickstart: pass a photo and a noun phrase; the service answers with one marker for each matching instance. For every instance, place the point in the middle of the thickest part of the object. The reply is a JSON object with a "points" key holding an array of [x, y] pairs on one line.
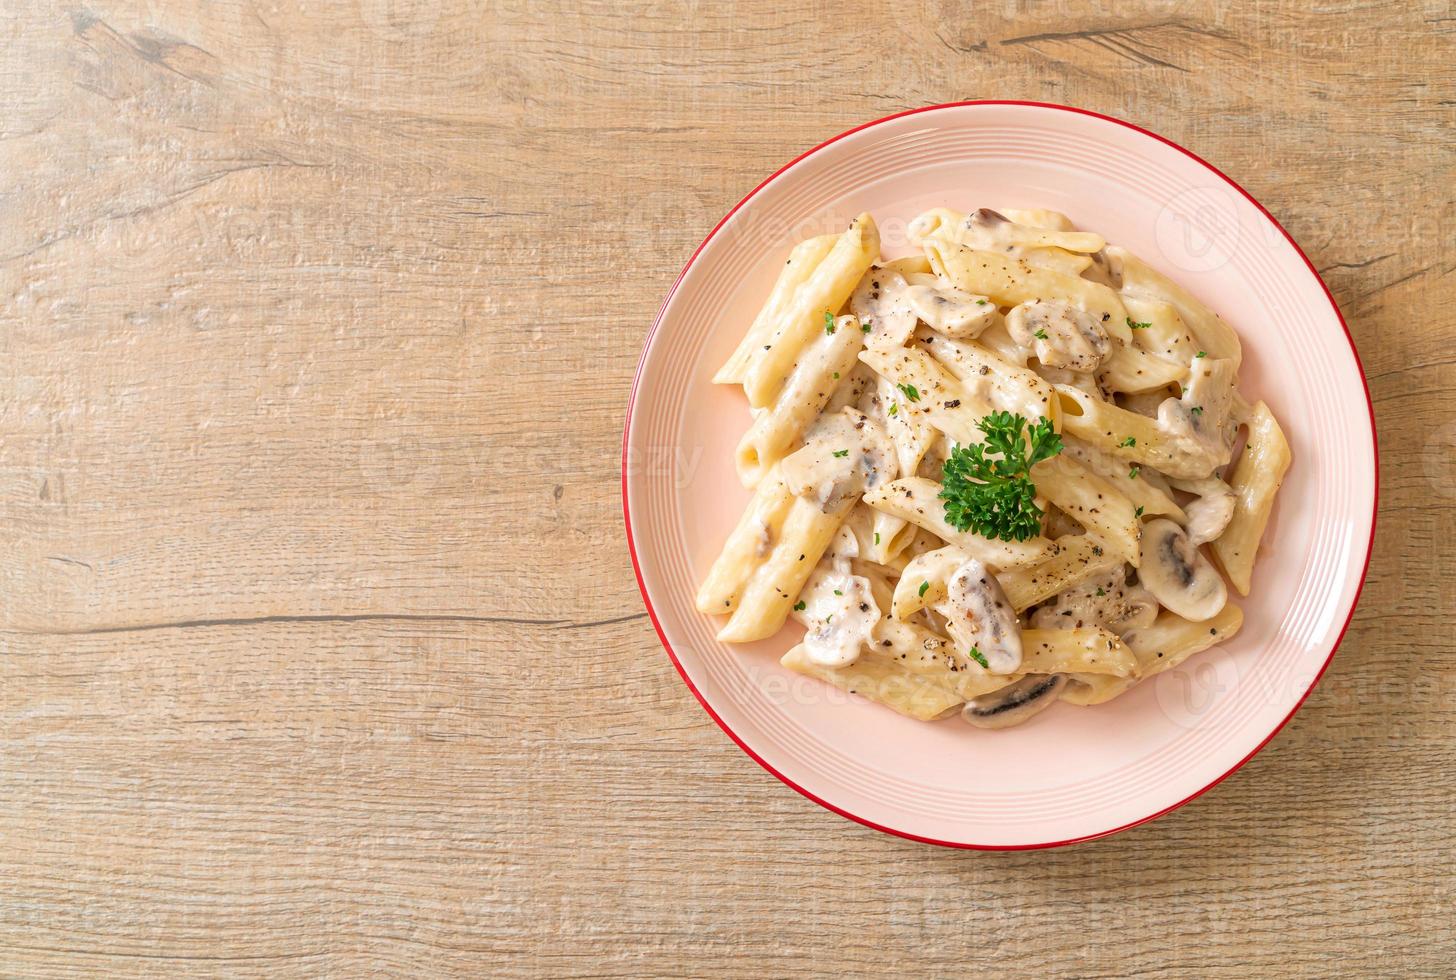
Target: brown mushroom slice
{"points": [[1061, 335], [951, 311], [1175, 571], [1014, 703], [980, 618]]}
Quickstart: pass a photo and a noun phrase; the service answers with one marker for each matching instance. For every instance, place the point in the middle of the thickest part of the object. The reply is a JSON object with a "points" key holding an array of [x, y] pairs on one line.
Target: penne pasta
{"points": [[803, 317], [917, 500], [1255, 480], [802, 262], [983, 475], [827, 360]]}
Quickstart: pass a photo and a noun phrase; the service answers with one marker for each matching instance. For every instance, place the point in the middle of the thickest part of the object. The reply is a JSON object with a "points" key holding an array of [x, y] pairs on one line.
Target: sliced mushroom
{"points": [[951, 311], [881, 302], [1061, 335], [844, 455], [1014, 703], [1211, 512], [840, 611], [979, 617], [1200, 418], [1175, 571]]}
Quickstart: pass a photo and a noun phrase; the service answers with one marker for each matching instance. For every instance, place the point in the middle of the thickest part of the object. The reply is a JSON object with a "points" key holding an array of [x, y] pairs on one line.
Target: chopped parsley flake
{"points": [[911, 392], [980, 657], [1202, 353], [828, 322], [1132, 473], [1137, 326], [924, 587], [841, 453], [1126, 443], [893, 409], [800, 606], [1138, 512], [1040, 335]]}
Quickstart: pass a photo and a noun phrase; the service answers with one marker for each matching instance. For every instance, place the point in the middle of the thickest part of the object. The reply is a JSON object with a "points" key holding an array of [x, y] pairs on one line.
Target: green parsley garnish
{"points": [[911, 392], [828, 322], [1132, 473], [980, 302], [1196, 410], [1040, 334], [980, 657], [864, 327], [799, 606], [1126, 443], [1138, 512], [836, 375], [841, 453], [877, 537], [837, 592], [995, 497], [893, 409], [1137, 326], [924, 586], [1202, 353], [1101, 591]]}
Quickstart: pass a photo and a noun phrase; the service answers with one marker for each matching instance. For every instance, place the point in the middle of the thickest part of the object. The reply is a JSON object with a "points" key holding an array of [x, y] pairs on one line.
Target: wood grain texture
{"points": [[320, 651]]}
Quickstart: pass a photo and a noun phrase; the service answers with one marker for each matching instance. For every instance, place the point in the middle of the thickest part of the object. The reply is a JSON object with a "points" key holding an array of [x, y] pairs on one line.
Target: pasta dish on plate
{"points": [[993, 475]]}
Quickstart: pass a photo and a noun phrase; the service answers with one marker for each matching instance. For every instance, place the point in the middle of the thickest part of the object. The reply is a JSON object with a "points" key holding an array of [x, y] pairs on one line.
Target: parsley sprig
{"points": [[995, 497]]}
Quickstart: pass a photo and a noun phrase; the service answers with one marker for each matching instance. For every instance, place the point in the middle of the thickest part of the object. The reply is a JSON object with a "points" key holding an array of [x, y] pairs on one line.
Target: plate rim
{"points": [[965, 845]]}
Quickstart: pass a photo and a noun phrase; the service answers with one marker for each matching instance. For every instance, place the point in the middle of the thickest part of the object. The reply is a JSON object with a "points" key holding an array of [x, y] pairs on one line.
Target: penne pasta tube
{"points": [[1211, 333], [1093, 502], [747, 546], [1089, 650], [917, 500], [823, 293], [952, 226], [1255, 481], [1132, 369], [774, 585], [1143, 490], [1171, 639], [919, 696], [929, 393], [802, 262], [1073, 560], [1010, 282], [775, 431], [1090, 689], [1007, 387], [1135, 439]]}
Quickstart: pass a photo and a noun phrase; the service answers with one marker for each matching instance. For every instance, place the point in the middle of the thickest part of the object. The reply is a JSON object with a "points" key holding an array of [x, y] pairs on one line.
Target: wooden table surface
{"points": [[320, 650]]}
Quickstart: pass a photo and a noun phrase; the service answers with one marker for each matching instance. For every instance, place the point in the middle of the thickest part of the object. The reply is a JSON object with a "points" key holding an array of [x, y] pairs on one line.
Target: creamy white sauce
{"points": [[979, 616], [951, 311], [839, 611], [881, 302], [1061, 335], [843, 455]]}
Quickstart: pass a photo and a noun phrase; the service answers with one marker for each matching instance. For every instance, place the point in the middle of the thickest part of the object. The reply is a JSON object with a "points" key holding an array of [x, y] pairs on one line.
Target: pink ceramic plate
{"points": [[1071, 773]]}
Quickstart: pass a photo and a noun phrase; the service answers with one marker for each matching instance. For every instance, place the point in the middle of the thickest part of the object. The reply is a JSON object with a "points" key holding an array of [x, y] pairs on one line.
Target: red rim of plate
{"points": [[652, 613]]}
